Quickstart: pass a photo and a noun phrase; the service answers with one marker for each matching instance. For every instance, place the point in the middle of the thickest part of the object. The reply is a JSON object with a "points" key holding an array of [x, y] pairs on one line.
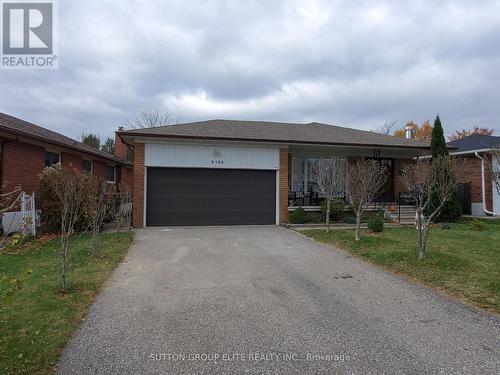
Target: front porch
{"points": [[303, 191]]}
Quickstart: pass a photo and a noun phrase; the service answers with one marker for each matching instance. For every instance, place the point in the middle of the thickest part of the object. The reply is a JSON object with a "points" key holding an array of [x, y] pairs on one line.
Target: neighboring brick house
{"points": [[222, 172], [26, 149], [477, 152]]}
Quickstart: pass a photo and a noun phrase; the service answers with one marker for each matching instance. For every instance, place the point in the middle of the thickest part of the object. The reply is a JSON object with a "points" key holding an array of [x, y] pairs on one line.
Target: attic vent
{"points": [[409, 132]]}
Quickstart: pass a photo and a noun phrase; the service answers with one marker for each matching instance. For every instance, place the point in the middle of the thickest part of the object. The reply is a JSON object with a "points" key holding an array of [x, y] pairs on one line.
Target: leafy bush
{"points": [[477, 224], [350, 220], [46, 200], [451, 211], [376, 224], [49, 203], [336, 209], [299, 216]]}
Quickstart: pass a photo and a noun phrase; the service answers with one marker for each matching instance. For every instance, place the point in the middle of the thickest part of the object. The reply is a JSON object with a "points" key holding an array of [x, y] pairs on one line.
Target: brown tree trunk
{"points": [[425, 235], [328, 208], [65, 276], [358, 226], [421, 236], [95, 233]]}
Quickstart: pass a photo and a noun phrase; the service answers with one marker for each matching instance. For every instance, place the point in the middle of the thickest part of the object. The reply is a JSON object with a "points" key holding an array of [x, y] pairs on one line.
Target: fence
{"points": [[26, 219], [28, 214], [463, 192]]}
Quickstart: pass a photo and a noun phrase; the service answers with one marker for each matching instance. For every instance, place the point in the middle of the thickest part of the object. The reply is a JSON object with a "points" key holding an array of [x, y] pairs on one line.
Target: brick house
{"points": [[246, 172], [26, 149], [477, 152]]}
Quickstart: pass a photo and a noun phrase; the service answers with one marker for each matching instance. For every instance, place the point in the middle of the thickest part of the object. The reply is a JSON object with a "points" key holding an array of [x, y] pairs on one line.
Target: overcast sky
{"points": [[350, 63]]}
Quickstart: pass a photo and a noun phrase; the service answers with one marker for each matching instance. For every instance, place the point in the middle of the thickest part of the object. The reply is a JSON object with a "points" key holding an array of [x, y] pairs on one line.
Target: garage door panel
{"points": [[194, 196]]}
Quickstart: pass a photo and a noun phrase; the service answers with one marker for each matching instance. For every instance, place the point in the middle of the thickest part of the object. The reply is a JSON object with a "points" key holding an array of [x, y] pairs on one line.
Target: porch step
{"points": [[407, 222], [407, 214]]}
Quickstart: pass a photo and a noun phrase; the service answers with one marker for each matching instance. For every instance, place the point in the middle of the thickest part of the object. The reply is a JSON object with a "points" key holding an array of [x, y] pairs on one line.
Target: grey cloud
{"points": [[350, 63]]}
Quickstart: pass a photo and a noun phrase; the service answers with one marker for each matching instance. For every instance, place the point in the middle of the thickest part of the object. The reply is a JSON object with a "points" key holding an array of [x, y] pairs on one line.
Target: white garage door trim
{"points": [[210, 156]]}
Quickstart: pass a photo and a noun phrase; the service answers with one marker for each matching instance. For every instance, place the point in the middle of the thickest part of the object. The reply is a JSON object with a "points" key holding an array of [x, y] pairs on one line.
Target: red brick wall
{"points": [[127, 176], [120, 148], [124, 175], [399, 186], [283, 185], [71, 161], [21, 165], [472, 174], [138, 181], [99, 169], [399, 164]]}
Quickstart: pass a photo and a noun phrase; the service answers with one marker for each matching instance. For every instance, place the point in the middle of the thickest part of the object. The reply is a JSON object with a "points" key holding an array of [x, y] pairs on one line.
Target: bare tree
{"points": [[150, 118], [329, 175], [365, 179], [8, 201], [432, 183], [385, 128], [95, 209], [70, 188], [121, 211]]}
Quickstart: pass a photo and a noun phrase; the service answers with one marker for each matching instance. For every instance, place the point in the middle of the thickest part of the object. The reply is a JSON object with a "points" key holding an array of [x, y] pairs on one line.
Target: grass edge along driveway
{"points": [[462, 261], [38, 320]]}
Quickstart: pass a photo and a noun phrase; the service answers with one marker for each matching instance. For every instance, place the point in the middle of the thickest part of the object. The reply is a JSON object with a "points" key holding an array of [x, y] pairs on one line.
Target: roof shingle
{"points": [[475, 142], [15, 125], [314, 133]]}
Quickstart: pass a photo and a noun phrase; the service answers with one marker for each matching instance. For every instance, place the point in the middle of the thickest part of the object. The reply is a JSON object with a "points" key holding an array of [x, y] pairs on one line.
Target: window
{"points": [[297, 174], [301, 180], [311, 185], [51, 158], [87, 166], [110, 173]]}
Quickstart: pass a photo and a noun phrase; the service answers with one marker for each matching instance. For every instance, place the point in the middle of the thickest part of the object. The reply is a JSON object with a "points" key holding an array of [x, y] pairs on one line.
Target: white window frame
{"points": [[91, 165]]}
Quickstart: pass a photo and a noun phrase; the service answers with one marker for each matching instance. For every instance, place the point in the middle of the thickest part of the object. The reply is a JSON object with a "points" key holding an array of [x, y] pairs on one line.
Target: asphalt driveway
{"points": [[267, 300]]}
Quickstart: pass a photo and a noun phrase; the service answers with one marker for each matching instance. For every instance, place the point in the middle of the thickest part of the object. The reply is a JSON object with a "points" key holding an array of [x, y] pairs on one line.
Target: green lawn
{"points": [[462, 261], [37, 320]]}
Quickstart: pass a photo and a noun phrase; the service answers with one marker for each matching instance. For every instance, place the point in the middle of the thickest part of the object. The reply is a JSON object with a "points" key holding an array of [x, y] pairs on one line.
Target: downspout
{"points": [[483, 187]]}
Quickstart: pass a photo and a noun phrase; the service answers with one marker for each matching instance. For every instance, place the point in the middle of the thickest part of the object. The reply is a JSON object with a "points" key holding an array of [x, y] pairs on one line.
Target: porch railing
{"points": [[309, 198]]}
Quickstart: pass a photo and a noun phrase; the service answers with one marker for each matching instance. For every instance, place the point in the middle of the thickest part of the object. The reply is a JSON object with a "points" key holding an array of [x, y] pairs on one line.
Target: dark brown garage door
{"points": [[187, 196]]}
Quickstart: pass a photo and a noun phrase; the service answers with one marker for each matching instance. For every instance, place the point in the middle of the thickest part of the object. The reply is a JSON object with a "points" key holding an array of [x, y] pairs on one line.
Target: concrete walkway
{"points": [[268, 300]]}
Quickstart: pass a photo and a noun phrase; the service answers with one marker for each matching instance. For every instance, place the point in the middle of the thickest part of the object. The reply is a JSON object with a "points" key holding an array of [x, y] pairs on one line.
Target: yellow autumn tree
{"points": [[420, 133], [477, 130]]}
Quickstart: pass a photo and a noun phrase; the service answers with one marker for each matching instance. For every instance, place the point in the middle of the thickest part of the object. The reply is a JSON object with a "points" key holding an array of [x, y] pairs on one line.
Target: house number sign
{"points": [[217, 158]]}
